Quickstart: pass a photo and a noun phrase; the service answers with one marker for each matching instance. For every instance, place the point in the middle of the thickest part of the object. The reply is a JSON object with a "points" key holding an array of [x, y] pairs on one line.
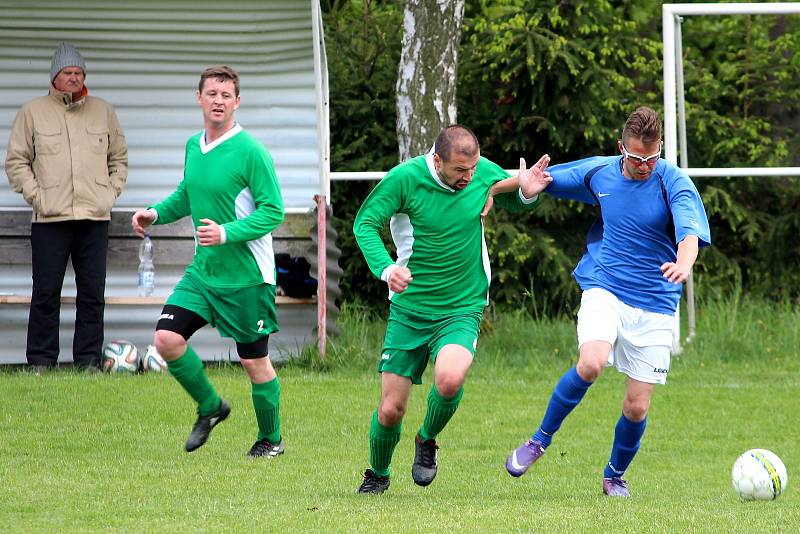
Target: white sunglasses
{"points": [[638, 160]]}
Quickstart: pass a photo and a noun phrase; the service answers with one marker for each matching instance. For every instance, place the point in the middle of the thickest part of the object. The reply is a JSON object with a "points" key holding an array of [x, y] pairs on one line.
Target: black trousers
{"points": [[52, 245]]}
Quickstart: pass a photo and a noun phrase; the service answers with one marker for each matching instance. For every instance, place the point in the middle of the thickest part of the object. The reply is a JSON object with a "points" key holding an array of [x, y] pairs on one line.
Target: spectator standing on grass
{"points": [[68, 157], [230, 190], [438, 285], [639, 252]]}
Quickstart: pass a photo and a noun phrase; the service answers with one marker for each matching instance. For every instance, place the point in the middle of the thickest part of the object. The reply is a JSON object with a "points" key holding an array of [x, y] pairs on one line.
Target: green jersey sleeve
{"points": [[513, 202], [385, 200], [174, 207], [267, 198]]}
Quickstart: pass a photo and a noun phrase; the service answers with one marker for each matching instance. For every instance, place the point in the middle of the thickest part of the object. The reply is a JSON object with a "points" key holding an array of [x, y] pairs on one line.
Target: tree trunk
{"points": [[426, 80]]}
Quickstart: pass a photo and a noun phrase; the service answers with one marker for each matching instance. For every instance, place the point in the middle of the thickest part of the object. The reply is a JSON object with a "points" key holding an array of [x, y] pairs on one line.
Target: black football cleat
{"points": [[424, 469], [203, 426], [372, 483], [263, 447]]}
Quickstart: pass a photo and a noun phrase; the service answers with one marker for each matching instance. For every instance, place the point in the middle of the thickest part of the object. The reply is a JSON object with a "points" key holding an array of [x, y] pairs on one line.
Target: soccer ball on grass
{"points": [[120, 357], [759, 474], [152, 361]]}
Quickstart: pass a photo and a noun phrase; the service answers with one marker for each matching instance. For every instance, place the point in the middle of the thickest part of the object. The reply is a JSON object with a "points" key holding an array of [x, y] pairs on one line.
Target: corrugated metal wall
{"points": [[145, 57]]}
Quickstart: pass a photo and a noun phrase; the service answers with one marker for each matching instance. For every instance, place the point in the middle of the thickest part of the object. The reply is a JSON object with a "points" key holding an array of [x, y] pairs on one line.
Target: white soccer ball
{"points": [[760, 475], [120, 357], [152, 361]]}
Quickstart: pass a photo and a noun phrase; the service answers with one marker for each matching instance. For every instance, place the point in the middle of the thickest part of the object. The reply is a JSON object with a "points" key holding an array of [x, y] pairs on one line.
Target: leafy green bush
{"points": [[742, 110], [560, 77], [554, 76]]}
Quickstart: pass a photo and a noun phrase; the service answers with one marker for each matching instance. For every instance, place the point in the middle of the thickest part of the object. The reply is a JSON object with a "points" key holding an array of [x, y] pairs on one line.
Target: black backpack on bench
{"points": [[294, 277]]}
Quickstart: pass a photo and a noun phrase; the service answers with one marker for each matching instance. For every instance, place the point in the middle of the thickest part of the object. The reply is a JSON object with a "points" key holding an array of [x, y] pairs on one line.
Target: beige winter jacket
{"points": [[68, 159]]}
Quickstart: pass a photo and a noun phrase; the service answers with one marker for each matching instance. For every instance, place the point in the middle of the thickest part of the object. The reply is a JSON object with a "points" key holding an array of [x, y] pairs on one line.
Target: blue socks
{"points": [[627, 437], [568, 392]]}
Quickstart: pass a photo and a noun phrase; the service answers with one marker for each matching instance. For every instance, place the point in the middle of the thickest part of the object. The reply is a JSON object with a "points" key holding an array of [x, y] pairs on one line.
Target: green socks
{"points": [[382, 441], [188, 371], [267, 402], [440, 411]]}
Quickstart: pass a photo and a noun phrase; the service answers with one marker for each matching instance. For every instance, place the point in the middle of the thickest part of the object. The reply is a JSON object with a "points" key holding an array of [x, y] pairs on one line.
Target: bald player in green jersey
{"points": [[438, 285], [230, 190]]}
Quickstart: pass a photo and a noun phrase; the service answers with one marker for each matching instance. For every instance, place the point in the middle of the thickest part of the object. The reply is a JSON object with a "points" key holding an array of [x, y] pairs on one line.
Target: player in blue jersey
{"points": [[641, 249]]}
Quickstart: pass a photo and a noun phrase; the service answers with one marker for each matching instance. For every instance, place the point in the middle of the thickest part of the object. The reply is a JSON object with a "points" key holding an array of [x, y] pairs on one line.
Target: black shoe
{"points": [[424, 469], [263, 447], [202, 427], [372, 483]]}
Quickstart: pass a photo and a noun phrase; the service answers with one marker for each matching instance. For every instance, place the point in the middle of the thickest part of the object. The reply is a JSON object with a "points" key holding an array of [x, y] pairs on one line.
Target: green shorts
{"points": [[244, 314], [413, 338]]}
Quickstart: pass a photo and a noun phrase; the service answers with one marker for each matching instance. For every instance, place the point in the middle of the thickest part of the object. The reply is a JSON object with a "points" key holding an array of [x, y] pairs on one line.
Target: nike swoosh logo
{"points": [[603, 194], [514, 462]]}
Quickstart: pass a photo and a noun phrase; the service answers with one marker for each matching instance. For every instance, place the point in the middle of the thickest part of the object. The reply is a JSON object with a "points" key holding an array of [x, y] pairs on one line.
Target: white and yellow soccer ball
{"points": [[759, 475], [120, 357], [152, 361]]}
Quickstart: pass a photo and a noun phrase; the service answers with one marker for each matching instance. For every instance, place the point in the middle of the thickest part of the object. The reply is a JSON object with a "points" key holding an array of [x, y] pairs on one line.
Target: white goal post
{"points": [[675, 110]]}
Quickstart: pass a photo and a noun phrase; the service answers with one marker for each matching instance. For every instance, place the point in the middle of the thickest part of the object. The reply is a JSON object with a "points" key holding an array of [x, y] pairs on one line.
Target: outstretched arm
{"points": [[530, 182], [536, 179], [505, 186]]}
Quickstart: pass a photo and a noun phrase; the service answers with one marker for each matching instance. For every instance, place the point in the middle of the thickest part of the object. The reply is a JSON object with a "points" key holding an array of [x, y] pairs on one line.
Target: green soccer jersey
{"points": [[437, 232], [232, 182]]}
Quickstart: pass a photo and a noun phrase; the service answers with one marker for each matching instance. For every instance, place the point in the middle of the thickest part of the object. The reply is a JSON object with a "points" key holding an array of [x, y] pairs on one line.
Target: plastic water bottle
{"points": [[147, 270]]}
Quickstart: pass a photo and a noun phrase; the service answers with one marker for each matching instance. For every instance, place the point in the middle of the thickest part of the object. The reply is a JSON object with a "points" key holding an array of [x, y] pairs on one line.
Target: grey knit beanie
{"points": [[65, 56]]}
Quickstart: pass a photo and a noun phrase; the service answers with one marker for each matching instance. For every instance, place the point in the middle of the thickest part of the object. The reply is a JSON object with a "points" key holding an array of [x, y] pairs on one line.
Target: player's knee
{"points": [[170, 345], [391, 413], [635, 411], [259, 370], [448, 385], [589, 369]]}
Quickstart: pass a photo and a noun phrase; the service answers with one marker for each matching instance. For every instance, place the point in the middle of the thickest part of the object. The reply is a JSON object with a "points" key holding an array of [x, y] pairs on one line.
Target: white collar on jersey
{"points": [[206, 148], [432, 170]]}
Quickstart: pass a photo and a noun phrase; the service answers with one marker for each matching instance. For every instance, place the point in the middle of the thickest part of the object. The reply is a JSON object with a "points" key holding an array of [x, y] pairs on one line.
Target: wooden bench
{"points": [[174, 248], [176, 240], [131, 317]]}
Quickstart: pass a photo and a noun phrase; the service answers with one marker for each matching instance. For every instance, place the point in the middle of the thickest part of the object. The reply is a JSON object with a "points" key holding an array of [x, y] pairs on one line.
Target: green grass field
{"points": [[104, 453]]}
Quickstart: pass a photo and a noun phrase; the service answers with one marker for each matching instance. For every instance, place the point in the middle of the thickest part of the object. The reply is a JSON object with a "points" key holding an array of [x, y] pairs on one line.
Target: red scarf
{"points": [[78, 96]]}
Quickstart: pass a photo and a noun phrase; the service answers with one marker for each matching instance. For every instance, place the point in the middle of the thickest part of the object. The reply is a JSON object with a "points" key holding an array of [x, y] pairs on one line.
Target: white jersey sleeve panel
{"points": [[261, 248], [403, 236]]}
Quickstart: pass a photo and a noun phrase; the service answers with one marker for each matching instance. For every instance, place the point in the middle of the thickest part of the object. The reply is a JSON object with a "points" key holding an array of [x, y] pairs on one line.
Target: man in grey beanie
{"points": [[68, 158], [65, 56]]}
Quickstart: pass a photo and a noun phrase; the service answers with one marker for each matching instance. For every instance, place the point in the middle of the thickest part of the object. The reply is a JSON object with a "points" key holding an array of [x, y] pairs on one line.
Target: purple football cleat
{"points": [[523, 457], [615, 487]]}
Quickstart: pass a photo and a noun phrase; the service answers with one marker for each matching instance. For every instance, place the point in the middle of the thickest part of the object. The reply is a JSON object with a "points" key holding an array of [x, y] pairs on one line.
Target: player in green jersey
{"points": [[230, 190], [438, 285]]}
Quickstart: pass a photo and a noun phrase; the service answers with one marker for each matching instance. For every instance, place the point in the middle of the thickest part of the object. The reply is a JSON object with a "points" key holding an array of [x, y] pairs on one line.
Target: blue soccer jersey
{"points": [[639, 227]]}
